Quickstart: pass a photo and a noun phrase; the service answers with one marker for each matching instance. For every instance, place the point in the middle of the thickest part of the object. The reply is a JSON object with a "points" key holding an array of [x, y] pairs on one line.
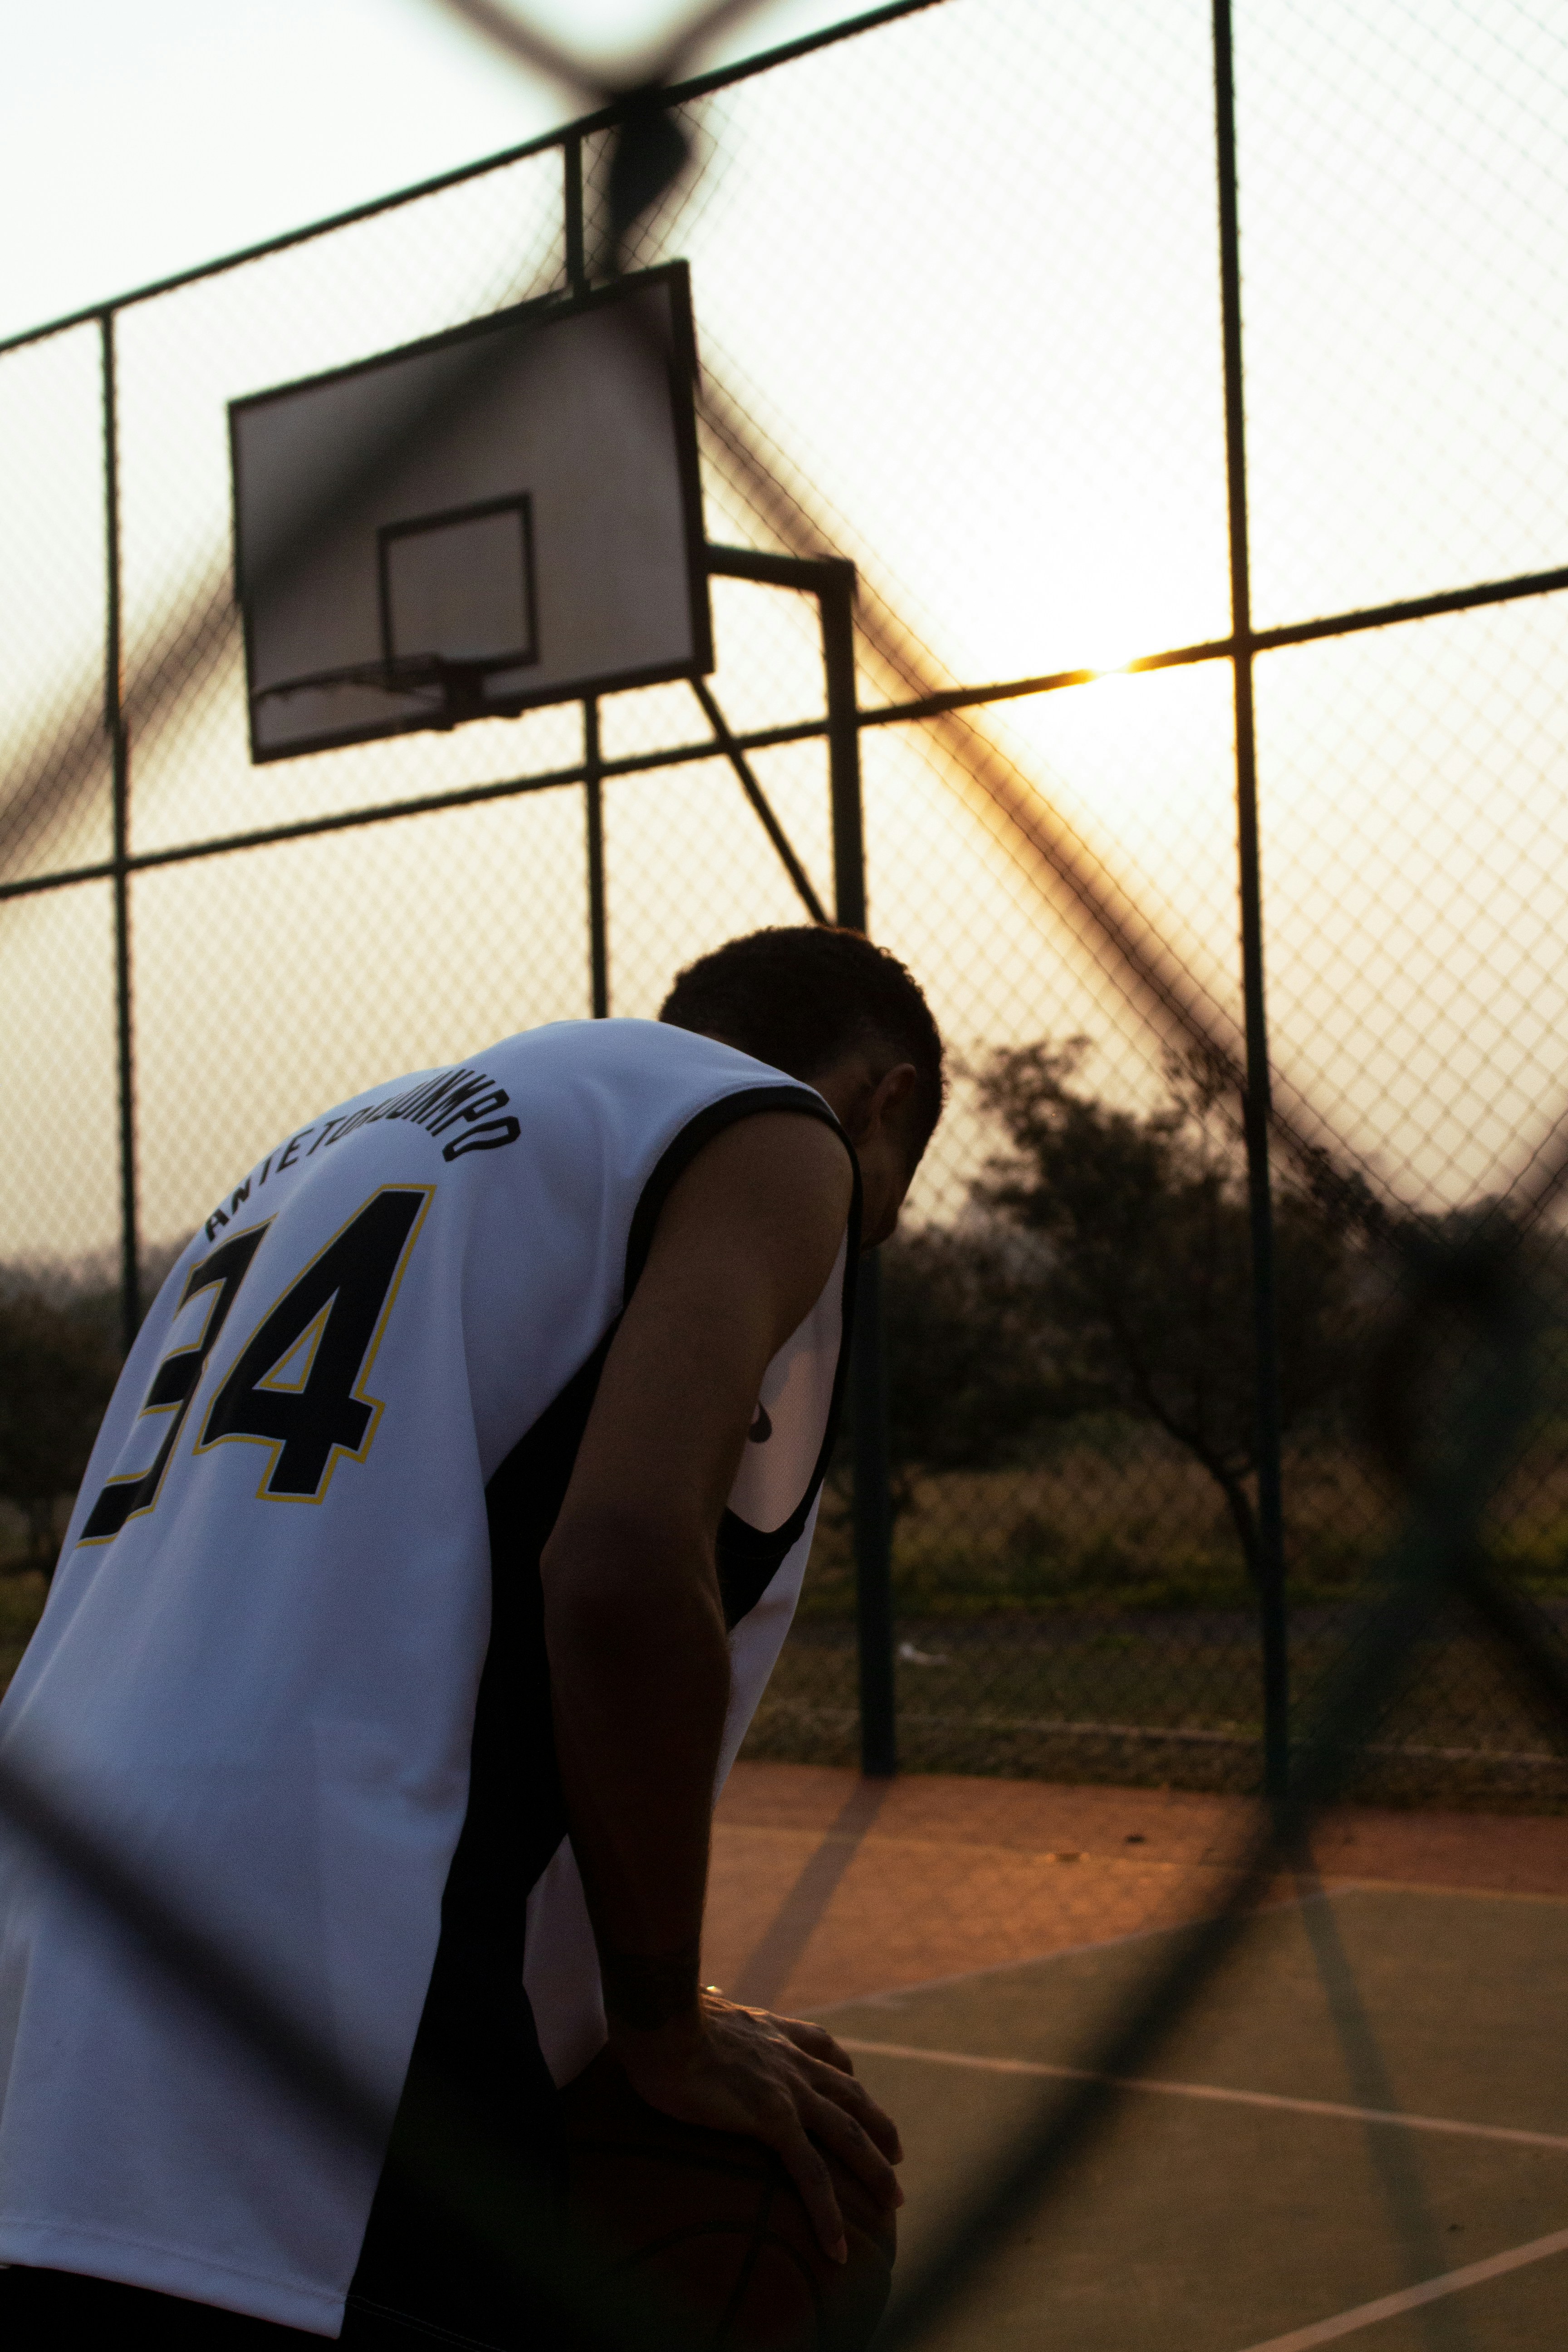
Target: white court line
{"points": [[1411, 2298], [1037, 2069]]}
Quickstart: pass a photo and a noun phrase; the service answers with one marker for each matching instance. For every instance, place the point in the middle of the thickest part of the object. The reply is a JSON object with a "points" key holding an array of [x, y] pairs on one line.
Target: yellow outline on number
{"points": [[345, 1453], [309, 1339]]}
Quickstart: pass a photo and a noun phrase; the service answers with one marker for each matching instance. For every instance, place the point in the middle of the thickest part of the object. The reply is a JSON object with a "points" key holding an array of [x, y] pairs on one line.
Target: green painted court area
{"points": [[1223, 2209]]}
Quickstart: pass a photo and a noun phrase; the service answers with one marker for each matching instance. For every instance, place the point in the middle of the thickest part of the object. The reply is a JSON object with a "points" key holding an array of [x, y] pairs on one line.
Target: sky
{"points": [[139, 137], [961, 275]]}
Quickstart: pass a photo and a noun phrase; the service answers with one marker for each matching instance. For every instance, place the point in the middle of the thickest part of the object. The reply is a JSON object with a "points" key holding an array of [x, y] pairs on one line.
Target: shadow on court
{"points": [[1362, 2134]]}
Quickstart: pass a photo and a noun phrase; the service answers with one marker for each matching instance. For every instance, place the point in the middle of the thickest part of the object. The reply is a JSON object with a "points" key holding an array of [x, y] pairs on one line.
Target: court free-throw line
{"points": [[1038, 2070], [1411, 2298]]}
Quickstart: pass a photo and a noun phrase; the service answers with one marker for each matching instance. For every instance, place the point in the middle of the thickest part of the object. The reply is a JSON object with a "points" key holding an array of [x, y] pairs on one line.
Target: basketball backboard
{"points": [[500, 517]]}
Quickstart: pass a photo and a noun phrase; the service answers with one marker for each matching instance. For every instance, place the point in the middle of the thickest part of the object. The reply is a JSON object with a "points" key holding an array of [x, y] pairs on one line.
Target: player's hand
{"points": [[777, 2079]]}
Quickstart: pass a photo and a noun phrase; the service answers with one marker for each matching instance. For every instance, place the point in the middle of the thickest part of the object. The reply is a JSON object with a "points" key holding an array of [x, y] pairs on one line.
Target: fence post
{"points": [[831, 580], [120, 755], [1256, 1105], [598, 920], [575, 251], [873, 1526], [873, 1518]]}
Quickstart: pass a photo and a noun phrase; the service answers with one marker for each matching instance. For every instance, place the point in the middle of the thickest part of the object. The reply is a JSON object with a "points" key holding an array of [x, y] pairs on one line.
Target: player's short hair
{"points": [[802, 998]]}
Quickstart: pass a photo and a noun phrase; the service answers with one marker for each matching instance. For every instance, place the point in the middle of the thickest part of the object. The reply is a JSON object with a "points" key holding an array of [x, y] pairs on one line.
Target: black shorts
{"points": [[57, 2311], [697, 2220]]}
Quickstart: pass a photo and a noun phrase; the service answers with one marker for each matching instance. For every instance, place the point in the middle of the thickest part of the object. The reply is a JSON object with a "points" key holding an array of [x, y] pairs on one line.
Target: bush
{"points": [[58, 1369]]}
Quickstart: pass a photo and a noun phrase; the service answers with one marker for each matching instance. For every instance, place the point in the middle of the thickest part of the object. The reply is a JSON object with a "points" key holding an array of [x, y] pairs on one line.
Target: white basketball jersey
{"points": [[291, 1665]]}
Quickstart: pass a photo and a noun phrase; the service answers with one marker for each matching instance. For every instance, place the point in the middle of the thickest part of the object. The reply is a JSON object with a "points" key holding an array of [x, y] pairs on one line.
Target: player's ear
{"points": [[888, 1107]]}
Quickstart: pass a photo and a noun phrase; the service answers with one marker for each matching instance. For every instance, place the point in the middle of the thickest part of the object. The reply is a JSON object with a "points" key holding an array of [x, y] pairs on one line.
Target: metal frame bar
{"points": [[803, 731], [1255, 1098], [873, 1527], [598, 915], [118, 735], [868, 1365], [605, 117], [724, 737], [573, 251], [831, 580]]}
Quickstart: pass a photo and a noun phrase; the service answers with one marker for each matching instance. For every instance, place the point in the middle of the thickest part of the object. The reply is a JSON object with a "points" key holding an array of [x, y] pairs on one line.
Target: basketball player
{"points": [[444, 1528]]}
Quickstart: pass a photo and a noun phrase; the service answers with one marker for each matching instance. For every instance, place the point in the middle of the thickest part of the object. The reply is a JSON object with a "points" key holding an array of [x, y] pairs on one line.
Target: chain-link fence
{"points": [[970, 288]]}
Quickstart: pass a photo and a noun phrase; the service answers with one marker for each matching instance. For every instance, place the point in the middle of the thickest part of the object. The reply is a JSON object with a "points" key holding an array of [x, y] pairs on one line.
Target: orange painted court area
{"points": [[827, 1889], [1359, 2135]]}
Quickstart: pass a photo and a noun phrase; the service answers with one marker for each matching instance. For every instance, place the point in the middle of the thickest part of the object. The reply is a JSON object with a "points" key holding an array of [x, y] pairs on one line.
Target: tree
{"points": [[1147, 1267], [969, 1371], [58, 1371]]}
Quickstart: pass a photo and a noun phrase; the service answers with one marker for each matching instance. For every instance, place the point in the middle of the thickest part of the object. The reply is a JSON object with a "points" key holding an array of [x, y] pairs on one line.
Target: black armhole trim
{"points": [[677, 1156], [750, 1557], [762, 1553]]}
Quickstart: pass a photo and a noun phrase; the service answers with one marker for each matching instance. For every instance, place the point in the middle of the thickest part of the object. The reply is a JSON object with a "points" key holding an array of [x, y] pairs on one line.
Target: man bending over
{"points": [[441, 1535]]}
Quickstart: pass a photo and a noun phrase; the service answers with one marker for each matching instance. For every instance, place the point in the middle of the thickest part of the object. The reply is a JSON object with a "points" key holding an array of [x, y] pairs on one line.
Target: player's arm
{"points": [[639, 1661]]}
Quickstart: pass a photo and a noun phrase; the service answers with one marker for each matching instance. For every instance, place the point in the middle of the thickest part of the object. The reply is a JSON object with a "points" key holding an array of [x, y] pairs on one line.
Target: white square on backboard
{"points": [[459, 587]]}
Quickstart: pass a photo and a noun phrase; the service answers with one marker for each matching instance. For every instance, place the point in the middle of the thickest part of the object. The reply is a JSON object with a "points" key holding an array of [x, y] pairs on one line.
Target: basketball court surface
{"points": [[1361, 2136]]}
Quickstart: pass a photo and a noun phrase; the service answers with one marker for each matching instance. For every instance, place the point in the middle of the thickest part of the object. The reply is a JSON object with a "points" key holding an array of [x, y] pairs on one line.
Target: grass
{"points": [[1165, 1699], [22, 1595], [1091, 1530], [1120, 1527], [1089, 1618]]}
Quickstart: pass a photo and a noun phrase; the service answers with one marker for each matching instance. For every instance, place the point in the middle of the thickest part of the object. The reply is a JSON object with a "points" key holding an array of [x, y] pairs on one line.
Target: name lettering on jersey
{"points": [[463, 1098]]}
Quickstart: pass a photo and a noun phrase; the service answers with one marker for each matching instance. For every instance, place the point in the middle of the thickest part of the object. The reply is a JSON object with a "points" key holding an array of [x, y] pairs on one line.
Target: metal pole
{"points": [[873, 1525], [873, 1516], [598, 928], [1256, 1105], [120, 754], [575, 251], [836, 595], [724, 736]]}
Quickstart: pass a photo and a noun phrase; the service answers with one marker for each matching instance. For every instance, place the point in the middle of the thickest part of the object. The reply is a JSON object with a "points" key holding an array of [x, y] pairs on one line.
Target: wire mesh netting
{"points": [[960, 312]]}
